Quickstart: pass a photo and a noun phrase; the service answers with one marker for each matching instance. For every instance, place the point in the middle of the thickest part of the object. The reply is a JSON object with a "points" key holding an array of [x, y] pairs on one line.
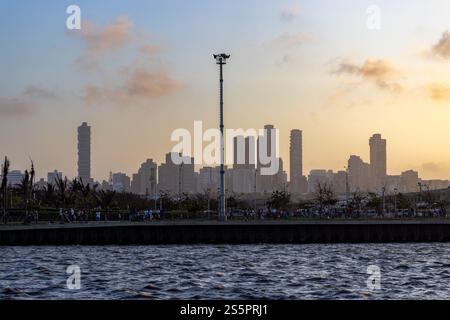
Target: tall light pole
{"points": [[221, 59]]}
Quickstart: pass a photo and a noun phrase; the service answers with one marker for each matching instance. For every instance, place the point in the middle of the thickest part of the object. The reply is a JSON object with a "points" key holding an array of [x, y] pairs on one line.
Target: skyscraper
{"points": [[265, 183], [244, 152], [145, 181], [358, 174], [378, 171], [298, 184], [177, 178], [84, 152]]}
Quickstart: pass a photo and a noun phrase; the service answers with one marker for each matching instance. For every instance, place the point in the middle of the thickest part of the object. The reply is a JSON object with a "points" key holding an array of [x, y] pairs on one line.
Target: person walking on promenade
{"points": [[61, 216]]}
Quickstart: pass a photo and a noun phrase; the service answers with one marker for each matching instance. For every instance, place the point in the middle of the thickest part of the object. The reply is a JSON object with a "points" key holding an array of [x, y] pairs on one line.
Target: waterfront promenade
{"points": [[233, 232]]}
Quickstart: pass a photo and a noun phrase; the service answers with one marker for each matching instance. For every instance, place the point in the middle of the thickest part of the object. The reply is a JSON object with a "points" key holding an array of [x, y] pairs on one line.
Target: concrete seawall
{"points": [[227, 233]]}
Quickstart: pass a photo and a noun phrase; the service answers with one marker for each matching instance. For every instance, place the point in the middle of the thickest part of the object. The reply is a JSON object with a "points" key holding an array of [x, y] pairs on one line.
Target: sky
{"points": [[137, 70]]}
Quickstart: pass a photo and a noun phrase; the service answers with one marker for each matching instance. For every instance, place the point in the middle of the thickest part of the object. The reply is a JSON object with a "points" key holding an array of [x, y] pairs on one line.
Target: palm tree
{"points": [[61, 188], [104, 199], [85, 192], [4, 187], [26, 188], [49, 194]]}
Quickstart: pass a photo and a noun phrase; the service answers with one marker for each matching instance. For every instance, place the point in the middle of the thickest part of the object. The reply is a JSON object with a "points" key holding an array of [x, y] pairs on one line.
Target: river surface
{"points": [[335, 271]]}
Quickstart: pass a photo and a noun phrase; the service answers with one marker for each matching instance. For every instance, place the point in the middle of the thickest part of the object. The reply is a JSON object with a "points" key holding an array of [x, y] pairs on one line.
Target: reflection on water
{"points": [[337, 271]]}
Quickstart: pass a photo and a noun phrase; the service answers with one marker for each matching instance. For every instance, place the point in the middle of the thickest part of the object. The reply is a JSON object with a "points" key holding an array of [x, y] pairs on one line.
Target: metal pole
{"points": [[222, 208], [221, 60]]}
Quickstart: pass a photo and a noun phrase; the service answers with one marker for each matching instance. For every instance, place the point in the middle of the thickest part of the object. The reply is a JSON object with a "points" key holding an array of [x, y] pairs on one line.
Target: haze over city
{"points": [[138, 72]]}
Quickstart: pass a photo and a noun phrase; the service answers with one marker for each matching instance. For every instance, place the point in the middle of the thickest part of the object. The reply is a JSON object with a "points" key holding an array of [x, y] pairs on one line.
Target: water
{"points": [[337, 271]]}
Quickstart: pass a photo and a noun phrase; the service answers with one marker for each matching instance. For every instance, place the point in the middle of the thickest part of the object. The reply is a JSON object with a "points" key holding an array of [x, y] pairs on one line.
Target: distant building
{"points": [[378, 170], [106, 185], [209, 179], [243, 172], [84, 152], [40, 185], [120, 182], [145, 181], [409, 181], [339, 182], [358, 174], [267, 183], [298, 183], [52, 177], [14, 178], [177, 179], [319, 176]]}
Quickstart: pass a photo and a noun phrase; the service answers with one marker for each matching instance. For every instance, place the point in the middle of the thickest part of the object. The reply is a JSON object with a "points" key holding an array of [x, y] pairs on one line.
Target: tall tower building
{"points": [[297, 181], [296, 155], [378, 171], [84, 152]]}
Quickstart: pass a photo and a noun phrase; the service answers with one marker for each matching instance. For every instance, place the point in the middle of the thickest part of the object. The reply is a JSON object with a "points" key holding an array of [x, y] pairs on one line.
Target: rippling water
{"points": [[227, 272]]}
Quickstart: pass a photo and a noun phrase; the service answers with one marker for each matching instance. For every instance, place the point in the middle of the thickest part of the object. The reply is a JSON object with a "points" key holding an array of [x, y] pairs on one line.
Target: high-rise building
{"points": [[120, 182], [319, 176], [209, 180], [244, 154], [409, 181], [358, 174], [177, 179], [145, 181], [84, 152], [14, 177], [298, 183], [378, 171], [243, 172], [53, 176], [266, 145]]}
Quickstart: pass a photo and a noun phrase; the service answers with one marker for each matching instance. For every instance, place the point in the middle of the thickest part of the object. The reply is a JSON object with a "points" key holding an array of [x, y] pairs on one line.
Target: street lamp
{"points": [[221, 59]]}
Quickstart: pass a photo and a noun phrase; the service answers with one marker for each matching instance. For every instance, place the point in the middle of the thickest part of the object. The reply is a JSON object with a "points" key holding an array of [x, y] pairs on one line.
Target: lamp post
{"points": [[221, 59]]}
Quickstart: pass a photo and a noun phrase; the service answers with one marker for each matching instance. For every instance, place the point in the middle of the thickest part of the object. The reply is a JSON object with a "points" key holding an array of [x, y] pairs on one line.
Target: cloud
{"points": [[436, 167], [140, 85], [290, 13], [16, 108], [293, 40], [381, 72], [99, 41], [26, 103], [439, 92], [36, 92], [442, 48], [149, 50]]}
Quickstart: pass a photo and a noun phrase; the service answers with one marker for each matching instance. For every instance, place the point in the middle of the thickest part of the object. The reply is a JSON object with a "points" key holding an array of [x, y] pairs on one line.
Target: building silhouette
{"points": [[358, 174], [120, 182], [52, 177], [243, 172], [298, 183], [145, 180], [84, 152], [177, 178], [378, 171]]}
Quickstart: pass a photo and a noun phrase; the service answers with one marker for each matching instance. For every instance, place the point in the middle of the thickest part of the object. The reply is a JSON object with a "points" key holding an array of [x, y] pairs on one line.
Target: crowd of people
{"points": [[71, 215]]}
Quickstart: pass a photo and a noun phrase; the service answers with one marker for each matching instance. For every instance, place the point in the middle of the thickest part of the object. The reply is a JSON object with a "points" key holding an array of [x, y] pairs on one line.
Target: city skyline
{"points": [[245, 175], [122, 71], [378, 170]]}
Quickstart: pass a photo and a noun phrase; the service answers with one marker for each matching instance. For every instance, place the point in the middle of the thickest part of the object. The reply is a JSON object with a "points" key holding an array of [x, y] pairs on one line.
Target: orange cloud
{"points": [[139, 86], [436, 168], [99, 41], [379, 71], [439, 92], [442, 48], [16, 108]]}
